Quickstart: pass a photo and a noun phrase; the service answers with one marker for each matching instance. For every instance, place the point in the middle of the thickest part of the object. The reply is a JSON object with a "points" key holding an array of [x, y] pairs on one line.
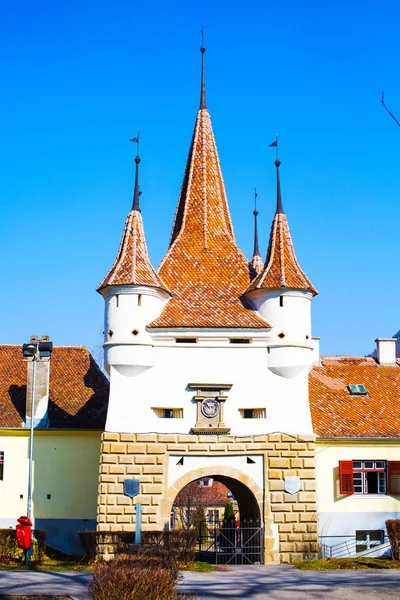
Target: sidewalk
{"points": [[45, 582]]}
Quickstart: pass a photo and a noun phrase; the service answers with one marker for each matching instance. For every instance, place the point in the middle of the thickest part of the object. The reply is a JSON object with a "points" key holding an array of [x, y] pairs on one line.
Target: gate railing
{"points": [[350, 546], [231, 542]]}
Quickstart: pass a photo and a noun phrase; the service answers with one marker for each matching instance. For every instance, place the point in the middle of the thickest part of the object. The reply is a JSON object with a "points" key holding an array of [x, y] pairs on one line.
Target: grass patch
{"points": [[52, 561], [203, 567], [334, 564]]}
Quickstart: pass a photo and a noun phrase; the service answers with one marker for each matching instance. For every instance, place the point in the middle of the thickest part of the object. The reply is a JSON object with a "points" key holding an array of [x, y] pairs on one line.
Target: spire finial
{"points": [[203, 85], [279, 207], [136, 192], [256, 251]]}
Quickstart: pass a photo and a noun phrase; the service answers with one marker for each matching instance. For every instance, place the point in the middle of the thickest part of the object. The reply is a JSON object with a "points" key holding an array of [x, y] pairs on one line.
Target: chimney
{"points": [[315, 354], [42, 389], [386, 351]]}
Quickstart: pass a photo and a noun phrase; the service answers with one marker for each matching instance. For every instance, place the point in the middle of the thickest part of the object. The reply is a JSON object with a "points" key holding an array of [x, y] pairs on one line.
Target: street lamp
{"points": [[35, 350]]}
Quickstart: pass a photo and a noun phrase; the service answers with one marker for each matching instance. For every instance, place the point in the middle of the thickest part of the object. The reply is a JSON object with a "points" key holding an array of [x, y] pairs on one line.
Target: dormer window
{"points": [[357, 389]]}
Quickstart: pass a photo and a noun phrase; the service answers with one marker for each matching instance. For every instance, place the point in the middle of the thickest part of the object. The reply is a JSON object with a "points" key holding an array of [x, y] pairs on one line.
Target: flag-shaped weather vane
{"points": [[275, 145], [136, 140]]}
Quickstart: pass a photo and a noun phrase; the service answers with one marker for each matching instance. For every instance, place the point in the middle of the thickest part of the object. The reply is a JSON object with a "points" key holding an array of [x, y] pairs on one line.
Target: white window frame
{"points": [[360, 477]]}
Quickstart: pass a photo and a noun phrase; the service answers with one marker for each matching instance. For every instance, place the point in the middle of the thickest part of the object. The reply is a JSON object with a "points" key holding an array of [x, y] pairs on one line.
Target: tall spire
{"points": [[279, 207], [256, 261], [255, 213], [136, 192], [203, 85], [204, 269]]}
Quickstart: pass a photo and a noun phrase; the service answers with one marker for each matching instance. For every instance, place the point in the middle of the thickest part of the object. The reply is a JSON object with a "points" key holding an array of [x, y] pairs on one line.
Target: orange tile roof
{"points": [[204, 268], [214, 495], [281, 269], [78, 389], [132, 265], [335, 413]]}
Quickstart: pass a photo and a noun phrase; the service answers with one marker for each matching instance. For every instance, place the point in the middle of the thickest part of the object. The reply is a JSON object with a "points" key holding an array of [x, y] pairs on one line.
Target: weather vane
{"points": [[137, 141]]}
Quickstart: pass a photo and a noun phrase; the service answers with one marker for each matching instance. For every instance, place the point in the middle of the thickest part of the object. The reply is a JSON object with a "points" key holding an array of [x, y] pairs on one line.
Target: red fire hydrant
{"points": [[23, 532]]}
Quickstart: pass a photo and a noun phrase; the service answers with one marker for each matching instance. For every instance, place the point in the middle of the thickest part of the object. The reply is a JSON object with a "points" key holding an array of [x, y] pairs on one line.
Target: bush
{"points": [[182, 543], [9, 550], [123, 580], [393, 531]]}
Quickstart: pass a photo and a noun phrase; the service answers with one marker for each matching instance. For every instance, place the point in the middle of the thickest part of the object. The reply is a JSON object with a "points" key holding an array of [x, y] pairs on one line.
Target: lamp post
{"points": [[36, 350]]}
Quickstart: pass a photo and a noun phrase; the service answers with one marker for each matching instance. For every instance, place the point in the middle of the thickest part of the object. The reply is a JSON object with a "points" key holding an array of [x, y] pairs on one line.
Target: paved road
{"points": [[278, 582], [39, 582], [250, 582]]}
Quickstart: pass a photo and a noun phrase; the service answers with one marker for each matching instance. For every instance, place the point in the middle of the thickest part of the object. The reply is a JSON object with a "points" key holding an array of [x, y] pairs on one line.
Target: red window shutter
{"points": [[346, 477], [393, 477]]}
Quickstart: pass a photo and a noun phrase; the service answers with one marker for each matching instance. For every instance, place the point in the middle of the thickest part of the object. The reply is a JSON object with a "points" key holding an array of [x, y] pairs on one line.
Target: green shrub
{"points": [[393, 531], [229, 512], [9, 550]]}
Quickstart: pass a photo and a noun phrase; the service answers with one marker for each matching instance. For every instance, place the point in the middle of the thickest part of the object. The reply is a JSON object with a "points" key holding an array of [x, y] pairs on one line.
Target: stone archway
{"points": [[248, 494]]}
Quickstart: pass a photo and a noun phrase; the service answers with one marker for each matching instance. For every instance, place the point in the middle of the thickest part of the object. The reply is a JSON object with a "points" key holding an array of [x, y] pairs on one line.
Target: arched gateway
{"points": [[242, 331]]}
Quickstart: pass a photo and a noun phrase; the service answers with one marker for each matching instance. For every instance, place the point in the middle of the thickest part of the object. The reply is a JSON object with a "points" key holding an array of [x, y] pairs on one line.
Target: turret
{"points": [[282, 294], [134, 295]]}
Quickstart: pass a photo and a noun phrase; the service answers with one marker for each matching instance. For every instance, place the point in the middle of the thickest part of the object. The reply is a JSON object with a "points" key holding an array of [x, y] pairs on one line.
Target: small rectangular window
{"points": [[252, 413], [368, 540], [356, 389], [117, 300], [168, 413], [186, 340], [1, 466], [281, 301], [139, 299], [239, 340]]}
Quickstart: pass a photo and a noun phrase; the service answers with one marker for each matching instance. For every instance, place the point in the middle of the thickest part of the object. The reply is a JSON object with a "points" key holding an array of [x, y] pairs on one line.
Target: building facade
{"points": [[208, 362]]}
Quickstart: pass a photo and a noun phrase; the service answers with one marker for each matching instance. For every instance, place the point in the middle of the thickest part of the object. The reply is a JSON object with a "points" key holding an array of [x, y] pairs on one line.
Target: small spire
{"points": [[203, 85], [136, 192], [279, 207], [256, 251]]}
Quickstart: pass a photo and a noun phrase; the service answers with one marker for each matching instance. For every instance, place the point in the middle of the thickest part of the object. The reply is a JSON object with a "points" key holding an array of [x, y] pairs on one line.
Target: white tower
{"points": [[134, 295], [282, 294]]}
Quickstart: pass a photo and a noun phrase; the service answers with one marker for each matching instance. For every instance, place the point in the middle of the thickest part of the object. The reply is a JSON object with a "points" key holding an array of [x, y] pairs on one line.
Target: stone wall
{"points": [[290, 520]]}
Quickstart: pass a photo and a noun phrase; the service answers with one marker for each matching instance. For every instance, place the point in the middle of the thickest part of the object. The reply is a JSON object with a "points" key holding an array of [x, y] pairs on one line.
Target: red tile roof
{"points": [[78, 389], [336, 413], [132, 265], [204, 268], [281, 269]]}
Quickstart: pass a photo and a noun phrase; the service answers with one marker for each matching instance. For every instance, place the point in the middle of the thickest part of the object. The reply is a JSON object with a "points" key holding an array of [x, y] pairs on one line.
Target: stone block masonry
{"points": [[290, 520]]}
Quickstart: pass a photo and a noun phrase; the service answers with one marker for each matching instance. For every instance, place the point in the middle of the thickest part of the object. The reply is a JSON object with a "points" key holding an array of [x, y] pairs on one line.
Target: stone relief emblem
{"points": [[210, 407]]}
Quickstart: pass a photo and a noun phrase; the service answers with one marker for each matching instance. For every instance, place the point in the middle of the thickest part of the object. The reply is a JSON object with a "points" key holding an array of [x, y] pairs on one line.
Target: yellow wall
{"points": [[328, 455], [66, 465]]}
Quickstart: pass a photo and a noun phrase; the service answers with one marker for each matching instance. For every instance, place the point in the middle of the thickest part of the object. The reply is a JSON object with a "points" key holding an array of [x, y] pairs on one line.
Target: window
{"points": [[213, 515], [239, 340], [369, 477], [184, 340], [1, 466], [252, 413], [281, 301], [367, 540], [168, 413], [357, 389]]}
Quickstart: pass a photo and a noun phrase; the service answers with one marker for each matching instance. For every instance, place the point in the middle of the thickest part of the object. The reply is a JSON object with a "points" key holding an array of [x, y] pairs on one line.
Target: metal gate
{"points": [[230, 542]]}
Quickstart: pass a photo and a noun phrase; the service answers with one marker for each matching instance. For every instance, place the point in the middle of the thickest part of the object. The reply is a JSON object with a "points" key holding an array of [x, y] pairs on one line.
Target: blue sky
{"points": [[79, 79]]}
